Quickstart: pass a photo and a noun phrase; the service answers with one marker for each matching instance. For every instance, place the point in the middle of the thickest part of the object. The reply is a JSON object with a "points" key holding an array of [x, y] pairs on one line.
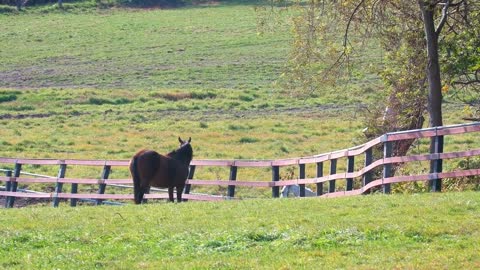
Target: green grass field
{"points": [[125, 79], [428, 231], [103, 83], [91, 83], [131, 49], [145, 72]]}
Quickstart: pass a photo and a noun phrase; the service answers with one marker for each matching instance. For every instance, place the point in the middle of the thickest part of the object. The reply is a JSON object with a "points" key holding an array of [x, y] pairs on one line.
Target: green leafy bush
{"points": [[246, 98], [152, 3], [7, 9], [7, 97], [203, 95], [102, 101], [248, 140]]}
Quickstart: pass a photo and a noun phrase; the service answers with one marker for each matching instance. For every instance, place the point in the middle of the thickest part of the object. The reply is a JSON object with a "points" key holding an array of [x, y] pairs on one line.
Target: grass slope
{"points": [[124, 79], [214, 47], [101, 84], [428, 231]]}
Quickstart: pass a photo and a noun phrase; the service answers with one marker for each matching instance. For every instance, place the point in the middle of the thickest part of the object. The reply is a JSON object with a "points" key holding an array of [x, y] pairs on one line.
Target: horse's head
{"points": [[182, 142], [185, 151]]}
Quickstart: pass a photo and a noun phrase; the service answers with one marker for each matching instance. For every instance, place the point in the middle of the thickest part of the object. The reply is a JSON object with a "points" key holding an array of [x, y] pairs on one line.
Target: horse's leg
{"points": [[142, 191], [179, 192], [170, 194], [146, 190]]}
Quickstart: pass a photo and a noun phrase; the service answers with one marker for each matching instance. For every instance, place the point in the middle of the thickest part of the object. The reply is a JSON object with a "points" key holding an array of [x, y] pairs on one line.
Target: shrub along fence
{"points": [[376, 171]]}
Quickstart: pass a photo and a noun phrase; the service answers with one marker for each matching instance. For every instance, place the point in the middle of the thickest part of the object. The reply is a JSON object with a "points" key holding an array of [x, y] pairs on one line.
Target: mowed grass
{"points": [[428, 231], [92, 126], [213, 47], [104, 83], [216, 47], [252, 135]]}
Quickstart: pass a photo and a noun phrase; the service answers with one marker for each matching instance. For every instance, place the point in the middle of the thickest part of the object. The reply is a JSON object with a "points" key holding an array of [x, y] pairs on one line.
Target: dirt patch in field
{"points": [[24, 116], [307, 112], [205, 3]]}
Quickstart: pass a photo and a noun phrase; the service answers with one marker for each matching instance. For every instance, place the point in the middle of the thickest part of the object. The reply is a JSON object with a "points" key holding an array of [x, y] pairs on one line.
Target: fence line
{"points": [[384, 142]]}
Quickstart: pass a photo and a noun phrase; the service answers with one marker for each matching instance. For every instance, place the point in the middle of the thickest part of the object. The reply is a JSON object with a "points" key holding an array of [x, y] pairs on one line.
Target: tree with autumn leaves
{"points": [[430, 47]]}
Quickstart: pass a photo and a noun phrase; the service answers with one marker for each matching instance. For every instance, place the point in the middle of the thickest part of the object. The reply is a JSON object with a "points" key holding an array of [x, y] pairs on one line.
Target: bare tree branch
{"points": [[456, 4], [444, 17], [345, 36], [467, 82]]}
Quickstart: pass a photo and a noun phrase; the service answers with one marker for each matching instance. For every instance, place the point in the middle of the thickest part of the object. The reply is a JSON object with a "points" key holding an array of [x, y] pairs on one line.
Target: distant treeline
{"points": [[143, 3]]}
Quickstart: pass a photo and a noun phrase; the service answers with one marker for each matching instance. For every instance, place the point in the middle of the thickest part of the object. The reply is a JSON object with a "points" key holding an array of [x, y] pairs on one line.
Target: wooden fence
{"points": [[367, 182]]}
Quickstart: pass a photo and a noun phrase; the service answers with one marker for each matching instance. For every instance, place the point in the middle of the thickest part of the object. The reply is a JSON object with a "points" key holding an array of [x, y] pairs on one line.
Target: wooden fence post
{"points": [[367, 177], [350, 168], [436, 166], [74, 190], [8, 186], [301, 174], [387, 168], [233, 177], [275, 178], [14, 185], [333, 170], [101, 187], [59, 186], [187, 188], [319, 174]]}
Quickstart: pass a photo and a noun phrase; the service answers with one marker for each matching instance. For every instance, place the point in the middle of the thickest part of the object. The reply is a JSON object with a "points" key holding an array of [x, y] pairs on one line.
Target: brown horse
{"points": [[149, 168]]}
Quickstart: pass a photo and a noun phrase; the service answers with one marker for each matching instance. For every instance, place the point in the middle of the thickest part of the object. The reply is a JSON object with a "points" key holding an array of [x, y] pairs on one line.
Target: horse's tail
{"points": [[137, 190]]}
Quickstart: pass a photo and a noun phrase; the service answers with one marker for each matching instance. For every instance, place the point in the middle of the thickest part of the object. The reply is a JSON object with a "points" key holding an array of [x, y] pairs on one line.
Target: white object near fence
{"points": [[295, 190]]}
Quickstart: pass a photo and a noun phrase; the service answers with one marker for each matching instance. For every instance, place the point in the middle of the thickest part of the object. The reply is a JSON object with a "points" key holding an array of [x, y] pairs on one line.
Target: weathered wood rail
{"points": [[12, 178]]}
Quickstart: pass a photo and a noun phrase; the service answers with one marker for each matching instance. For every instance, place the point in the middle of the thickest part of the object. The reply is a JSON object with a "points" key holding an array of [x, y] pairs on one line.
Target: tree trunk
{"points": [[433, 67], [434, 86]]}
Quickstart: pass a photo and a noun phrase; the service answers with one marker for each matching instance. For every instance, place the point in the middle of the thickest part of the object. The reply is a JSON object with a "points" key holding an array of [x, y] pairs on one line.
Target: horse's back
{"points": [[159, 170], [148, 163]]}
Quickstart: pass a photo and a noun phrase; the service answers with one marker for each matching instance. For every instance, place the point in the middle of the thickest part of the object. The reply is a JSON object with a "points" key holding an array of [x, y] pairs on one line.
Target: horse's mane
{"points": [[184, 153]]}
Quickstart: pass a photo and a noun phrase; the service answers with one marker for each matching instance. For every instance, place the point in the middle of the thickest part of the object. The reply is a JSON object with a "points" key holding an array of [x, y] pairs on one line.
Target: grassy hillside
{"points": [[428, 231], [126, 79], [117, 49], [100, 84]]}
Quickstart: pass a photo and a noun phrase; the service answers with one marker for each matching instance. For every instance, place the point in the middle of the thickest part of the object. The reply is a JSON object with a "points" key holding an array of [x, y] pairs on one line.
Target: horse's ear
{"points": [[180, 140], [189, 139]]}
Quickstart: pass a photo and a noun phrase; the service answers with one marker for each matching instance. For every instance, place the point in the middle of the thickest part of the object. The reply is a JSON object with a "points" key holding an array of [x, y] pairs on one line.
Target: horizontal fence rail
{"points": [[385, 142]]}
